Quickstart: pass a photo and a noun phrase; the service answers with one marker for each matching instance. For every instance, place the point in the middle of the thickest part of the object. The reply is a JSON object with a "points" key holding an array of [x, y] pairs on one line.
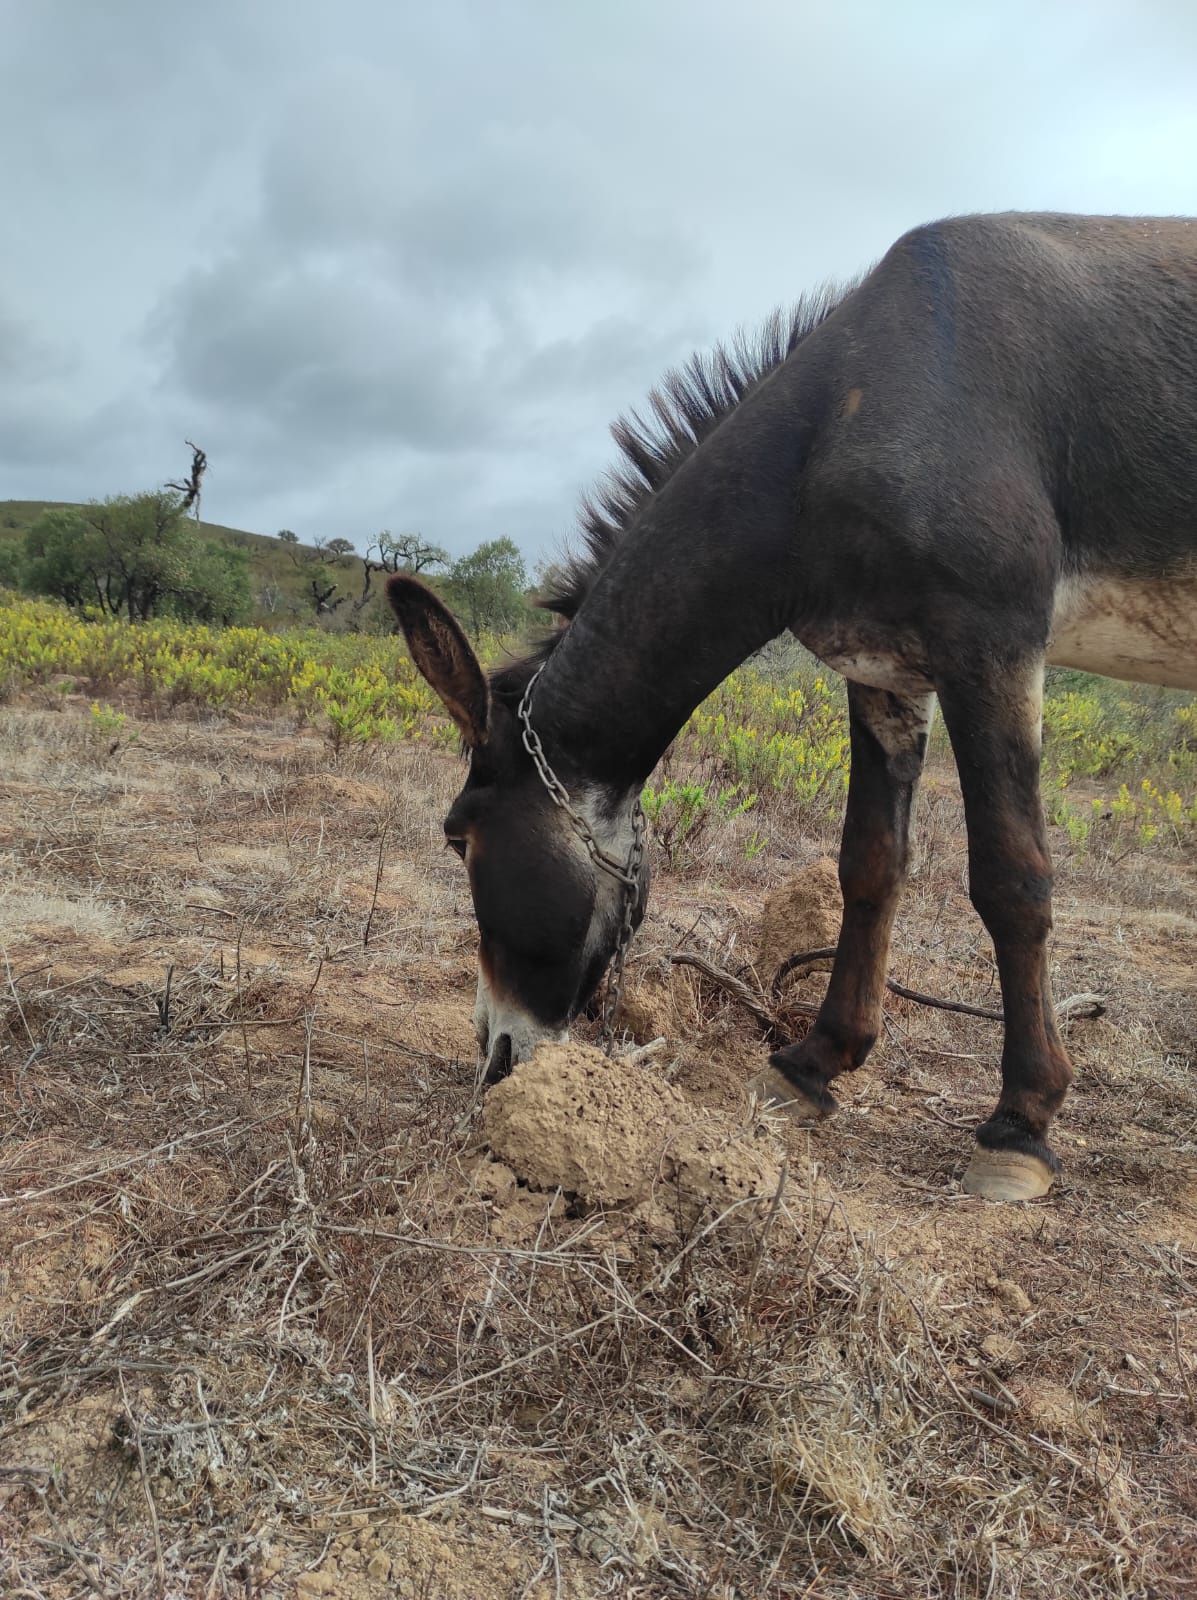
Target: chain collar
{"points": [[625, 873]]}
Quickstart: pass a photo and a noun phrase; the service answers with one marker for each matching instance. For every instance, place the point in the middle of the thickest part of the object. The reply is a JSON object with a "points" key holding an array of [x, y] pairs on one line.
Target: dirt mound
{"points": [[714, 1169], [654, 1005], [611, 1133], [329, 792], [572, 1119], [802, 914]]}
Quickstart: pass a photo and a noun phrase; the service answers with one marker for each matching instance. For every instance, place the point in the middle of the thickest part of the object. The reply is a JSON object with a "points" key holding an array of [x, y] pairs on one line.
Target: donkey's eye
{"points": [[458, 846]]}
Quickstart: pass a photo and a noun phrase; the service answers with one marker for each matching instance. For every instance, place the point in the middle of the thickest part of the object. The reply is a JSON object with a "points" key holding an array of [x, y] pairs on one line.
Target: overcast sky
{"points": [[399, 265]]}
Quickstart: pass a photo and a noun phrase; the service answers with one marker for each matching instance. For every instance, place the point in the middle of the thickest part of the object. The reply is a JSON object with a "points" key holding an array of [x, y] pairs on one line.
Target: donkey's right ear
{"points": [[443, 655]]}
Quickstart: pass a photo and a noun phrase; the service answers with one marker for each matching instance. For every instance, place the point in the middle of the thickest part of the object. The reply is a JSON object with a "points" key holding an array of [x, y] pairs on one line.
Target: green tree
{"points": [[11, 565], [216, 587], [58, 557], [486, 588], [404, 552], [135, 556]]}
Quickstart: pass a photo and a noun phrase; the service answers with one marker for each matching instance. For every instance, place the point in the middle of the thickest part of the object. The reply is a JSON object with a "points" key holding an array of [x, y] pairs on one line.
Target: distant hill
{"points": [[280, 574]]}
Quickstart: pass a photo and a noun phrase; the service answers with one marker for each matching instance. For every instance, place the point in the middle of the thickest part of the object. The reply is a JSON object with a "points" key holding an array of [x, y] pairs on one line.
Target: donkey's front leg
{"points": [[995, 724], [889, 740]]}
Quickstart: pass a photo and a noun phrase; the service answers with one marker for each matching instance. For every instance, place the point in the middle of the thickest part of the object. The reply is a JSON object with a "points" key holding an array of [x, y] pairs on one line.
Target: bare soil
{"points": [[287, 1308]]}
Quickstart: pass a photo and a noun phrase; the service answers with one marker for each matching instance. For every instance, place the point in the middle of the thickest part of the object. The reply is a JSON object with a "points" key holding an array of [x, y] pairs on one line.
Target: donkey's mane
{"points": [[682, 411]]}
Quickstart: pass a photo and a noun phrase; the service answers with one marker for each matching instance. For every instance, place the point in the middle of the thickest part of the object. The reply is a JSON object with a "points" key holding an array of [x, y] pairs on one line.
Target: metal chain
{"points": [[626, 933], [627, 874]]}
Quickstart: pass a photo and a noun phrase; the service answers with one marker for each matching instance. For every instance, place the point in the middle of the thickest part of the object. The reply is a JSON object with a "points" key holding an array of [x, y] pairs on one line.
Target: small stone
{"points": [[1011, 1296]]}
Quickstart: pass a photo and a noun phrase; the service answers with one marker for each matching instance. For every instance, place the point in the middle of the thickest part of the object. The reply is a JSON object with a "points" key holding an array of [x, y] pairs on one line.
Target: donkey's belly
{"points": [[1141, 629]]}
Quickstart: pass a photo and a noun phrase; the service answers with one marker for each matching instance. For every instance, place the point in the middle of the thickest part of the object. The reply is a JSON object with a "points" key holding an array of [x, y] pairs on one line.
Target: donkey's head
{"points": [[548, 918]]}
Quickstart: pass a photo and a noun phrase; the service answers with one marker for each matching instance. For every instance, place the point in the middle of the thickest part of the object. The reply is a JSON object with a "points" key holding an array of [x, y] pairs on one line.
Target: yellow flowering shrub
{"points": [[357, 688], [792, 738], [759, 733]]}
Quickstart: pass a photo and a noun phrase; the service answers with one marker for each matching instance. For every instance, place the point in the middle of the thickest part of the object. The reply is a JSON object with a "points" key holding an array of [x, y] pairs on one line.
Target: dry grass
{"points": [[266, 1328]]}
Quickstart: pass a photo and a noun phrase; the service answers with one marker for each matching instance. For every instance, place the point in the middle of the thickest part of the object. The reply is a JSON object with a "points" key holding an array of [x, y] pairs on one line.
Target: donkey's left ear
{"points": [[443, 655]]}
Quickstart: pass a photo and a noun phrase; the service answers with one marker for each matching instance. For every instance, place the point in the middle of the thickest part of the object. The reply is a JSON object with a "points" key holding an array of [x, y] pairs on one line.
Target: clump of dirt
{"points": [[397, 1556], [573, 1119], [801, 914], [611, 1133], [74, 1448], [325, 792], [653, 1005], [39, 1276], [713, 1171]]}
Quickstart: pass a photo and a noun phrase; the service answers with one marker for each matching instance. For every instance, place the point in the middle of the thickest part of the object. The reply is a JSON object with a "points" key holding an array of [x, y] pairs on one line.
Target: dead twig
{"points": [[645, 1051], [167, 1147], [249, 1071], [1077, 1005], [799, 959], [382, 839], [960, 1006], [155, 1527], [752, 1001], [62, 1546], [246, 1022], [994, 1402], [164, 1003], [1088, 1006]]}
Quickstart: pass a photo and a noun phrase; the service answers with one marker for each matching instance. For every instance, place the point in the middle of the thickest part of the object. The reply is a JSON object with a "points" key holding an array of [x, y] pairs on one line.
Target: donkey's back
{"points": [[1015, 397]]}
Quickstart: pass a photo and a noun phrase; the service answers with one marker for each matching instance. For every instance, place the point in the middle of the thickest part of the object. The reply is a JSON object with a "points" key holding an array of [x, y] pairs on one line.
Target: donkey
{"points": [[979, 458]]}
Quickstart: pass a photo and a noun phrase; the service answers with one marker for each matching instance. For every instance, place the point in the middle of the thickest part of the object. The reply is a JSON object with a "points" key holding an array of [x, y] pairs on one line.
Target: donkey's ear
{"points": [[443, 655]]}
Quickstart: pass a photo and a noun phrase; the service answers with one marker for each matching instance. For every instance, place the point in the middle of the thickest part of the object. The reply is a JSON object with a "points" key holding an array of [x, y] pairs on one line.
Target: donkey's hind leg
{"points": [[995, 720], [889, 740]]}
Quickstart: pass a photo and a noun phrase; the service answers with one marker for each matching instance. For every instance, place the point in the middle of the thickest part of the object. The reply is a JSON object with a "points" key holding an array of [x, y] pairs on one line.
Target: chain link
{"points": [[627, 874]]}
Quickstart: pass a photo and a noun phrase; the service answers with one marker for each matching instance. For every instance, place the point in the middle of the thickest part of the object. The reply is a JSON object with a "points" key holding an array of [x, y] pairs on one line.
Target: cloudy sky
{"points": [[398, 264]]}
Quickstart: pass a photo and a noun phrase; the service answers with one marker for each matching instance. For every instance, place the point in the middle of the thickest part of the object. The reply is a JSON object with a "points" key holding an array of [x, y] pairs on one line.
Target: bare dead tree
{"points": [[390, 553], [322, 598], [369, 568], [189, 487]]}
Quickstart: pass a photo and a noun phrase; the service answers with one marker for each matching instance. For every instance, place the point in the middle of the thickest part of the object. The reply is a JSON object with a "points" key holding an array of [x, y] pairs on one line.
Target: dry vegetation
{"points": [[274, 1322]]}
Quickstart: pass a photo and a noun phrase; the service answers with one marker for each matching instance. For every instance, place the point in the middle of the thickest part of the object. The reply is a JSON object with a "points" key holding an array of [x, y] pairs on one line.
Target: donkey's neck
{"points": [[703, 578]]}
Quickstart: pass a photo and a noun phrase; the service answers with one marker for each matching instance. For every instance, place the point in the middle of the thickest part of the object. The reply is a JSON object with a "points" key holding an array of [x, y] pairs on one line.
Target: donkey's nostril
{"points": [[499, 1064]]}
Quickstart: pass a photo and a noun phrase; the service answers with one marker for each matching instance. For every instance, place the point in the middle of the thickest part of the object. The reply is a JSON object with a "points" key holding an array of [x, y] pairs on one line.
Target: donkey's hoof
{"points": [[1007, 1175], [776, 1093]]}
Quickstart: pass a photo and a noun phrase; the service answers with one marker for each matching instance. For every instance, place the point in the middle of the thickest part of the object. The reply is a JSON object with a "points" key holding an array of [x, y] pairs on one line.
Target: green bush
{"points": [[137, 557]]}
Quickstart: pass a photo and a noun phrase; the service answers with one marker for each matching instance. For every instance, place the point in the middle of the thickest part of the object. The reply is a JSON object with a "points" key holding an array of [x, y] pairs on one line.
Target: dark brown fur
{"points": [[903, 475]]}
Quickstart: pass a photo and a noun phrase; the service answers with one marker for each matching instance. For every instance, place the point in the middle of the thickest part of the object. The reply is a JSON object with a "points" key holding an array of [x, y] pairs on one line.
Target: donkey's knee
{"points": [[872, 870], [1013, 898]]}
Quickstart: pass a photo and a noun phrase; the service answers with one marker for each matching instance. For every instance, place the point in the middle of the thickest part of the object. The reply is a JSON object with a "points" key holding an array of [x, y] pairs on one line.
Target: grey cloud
{"points": [[401, 265], [28, 356], [464, 306]]}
